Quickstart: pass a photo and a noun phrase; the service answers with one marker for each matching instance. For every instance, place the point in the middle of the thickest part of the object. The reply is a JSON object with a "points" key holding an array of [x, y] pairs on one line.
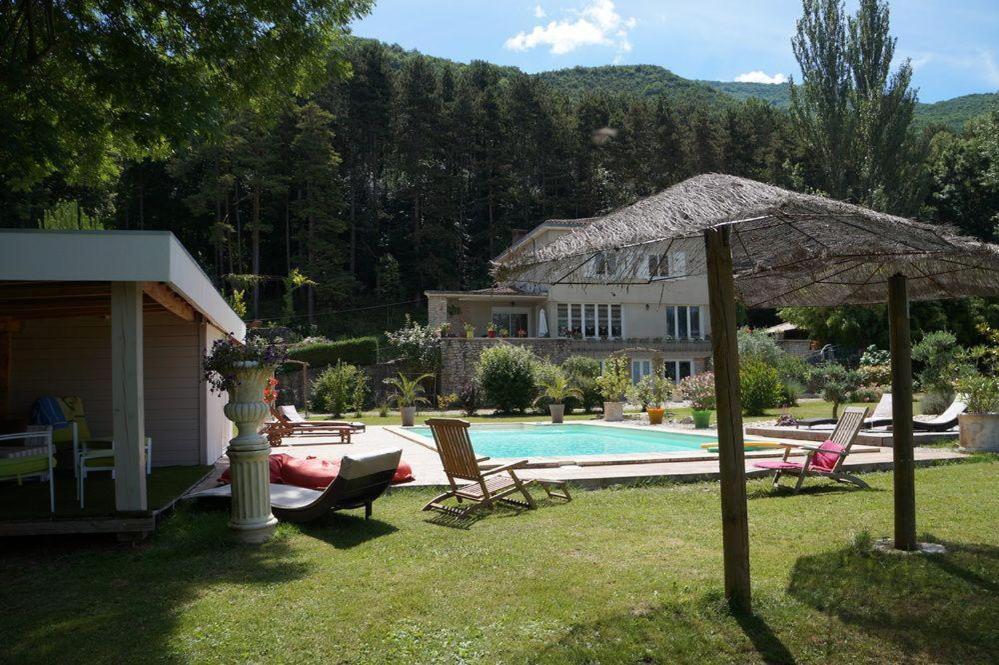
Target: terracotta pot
{"points": [[613, 411], [491, 333], [408, 415], [655, 415], [557, 411], [702, 418], [979, 431]]}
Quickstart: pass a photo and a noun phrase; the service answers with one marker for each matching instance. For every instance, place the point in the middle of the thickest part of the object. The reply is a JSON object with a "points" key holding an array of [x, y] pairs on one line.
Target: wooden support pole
{"points": [[901, 389], [128, 398], [731, 456]]}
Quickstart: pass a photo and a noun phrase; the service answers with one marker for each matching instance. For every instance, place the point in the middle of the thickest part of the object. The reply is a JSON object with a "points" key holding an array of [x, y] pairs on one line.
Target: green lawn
{"points": [[807, 409], [615, 576]]}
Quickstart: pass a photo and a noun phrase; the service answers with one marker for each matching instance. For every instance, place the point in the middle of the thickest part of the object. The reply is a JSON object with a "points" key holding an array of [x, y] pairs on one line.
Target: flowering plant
{"points": [[699, 390], [227, 355], [271, 392]]}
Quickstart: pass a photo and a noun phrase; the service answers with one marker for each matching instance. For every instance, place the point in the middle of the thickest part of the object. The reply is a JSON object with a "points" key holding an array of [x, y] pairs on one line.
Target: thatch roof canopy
{"points": [[787, 248]]}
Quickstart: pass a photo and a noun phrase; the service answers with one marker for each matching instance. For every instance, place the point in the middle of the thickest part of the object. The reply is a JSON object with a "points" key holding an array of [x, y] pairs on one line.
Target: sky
{"points": [[953, 44]]}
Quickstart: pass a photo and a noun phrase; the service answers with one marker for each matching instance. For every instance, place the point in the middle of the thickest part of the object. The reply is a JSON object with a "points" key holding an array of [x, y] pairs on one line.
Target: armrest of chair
{"points": [[506, 467]]}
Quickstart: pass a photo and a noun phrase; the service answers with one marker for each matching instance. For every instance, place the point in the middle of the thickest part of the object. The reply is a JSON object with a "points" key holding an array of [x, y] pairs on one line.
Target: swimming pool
{"points": [[544, 440]]}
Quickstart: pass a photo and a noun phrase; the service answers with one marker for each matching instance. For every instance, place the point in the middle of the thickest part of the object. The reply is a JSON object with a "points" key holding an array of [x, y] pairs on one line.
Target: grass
{"points": [[806, 409], [31, 500], [616, 576]]}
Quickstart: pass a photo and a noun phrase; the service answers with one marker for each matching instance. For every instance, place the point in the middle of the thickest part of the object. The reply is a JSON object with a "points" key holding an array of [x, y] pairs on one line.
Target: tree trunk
{"points": [[255, 259]]}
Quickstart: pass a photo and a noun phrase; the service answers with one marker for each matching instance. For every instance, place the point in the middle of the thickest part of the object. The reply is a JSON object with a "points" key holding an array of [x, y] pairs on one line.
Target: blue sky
{"points": [[953, 44]]}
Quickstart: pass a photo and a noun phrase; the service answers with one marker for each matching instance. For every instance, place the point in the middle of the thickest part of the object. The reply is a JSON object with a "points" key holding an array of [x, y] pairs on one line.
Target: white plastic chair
{"points": [[84, 454]]}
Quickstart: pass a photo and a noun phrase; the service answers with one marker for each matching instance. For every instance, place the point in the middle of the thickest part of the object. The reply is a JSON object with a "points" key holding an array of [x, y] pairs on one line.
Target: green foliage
{"points": [[294, 281], [506, 373], [237, 300], [940, 360], [759, 387], [69, 215], [338, 388], [583, 371], [758, 345], [836, 384], [320, 352], [981, 392], [419, 345], [554, 387], [875, 367], [409, 391], [651, 391], [615, 380]]}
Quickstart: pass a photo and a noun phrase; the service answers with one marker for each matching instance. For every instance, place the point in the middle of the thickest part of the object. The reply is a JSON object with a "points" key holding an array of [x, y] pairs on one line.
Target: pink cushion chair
{"points": [[826, 459]]}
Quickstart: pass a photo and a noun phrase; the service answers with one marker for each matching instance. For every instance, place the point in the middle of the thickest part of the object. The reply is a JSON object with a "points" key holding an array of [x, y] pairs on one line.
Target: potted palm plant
{"points": [[699, 390], [979, 426], [613, 384], [556, 388], [408, 393], [651, 392]]}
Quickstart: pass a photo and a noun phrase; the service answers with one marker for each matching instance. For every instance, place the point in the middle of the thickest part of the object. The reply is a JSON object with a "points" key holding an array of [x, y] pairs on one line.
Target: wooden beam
{"points": [[128, 397], [54, 291], [169, 300], [731, 455], [901, 413]]}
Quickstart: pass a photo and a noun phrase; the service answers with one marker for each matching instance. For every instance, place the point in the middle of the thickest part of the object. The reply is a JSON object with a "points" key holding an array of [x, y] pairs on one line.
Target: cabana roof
{"points": [[787, 248]]}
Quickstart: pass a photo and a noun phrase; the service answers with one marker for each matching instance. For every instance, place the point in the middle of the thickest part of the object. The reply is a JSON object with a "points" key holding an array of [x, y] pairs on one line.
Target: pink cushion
{"points": [[827, 461], [779, 466]]}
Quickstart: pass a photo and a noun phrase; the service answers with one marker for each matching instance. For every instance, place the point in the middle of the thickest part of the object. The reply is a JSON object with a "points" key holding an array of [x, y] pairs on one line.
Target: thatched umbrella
{"points": [[771, 247]]}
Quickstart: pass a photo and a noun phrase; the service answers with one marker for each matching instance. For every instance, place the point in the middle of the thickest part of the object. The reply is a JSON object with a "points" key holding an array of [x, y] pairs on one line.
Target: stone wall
{"points": [[459, 355]]}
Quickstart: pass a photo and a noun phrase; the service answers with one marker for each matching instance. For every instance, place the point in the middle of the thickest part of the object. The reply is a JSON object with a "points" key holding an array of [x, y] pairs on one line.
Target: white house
{"points": [[660, 319]]}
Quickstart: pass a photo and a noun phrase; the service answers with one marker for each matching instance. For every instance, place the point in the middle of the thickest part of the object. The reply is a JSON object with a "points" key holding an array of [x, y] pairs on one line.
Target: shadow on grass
{"points": [[943, 606], [344, 530], [811, 487], [699, 631], [98, 601], [499, 511]]}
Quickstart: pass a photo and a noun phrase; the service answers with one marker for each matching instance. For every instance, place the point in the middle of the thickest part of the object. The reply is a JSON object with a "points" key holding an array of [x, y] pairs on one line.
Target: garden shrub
{"points": [[338, 388], [418, 345], [321, 352], [582, 372], [835, 383], [615, 380], [941, 360], [470, 397], [760, 387], [506, 374], [758, 345]]}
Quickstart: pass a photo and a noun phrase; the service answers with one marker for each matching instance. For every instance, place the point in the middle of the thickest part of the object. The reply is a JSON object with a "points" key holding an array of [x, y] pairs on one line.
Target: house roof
{"points": [[788, 248], [153, 257], [501, 291], [544, 226]]}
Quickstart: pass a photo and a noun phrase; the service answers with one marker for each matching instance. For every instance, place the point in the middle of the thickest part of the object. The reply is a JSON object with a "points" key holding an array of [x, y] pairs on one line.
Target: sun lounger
{"points": [[945, 421], [826, 459], [880, 417], [361, 480], [293, 416]]}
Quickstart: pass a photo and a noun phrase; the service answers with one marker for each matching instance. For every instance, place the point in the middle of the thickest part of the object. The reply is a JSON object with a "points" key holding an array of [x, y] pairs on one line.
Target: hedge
{"points": [[357, 351]]}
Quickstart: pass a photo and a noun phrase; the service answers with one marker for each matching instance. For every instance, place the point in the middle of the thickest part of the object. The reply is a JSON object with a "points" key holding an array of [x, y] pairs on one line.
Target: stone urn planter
{"points": [[613, 411], [557, 411], [702, 418], [979, 432], [248, 453], [408, 415], [655, 415]]}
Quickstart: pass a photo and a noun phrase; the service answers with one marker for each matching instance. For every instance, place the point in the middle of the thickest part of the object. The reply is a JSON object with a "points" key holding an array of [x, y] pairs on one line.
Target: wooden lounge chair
{"points": [[361, 480], [880, 418], [282, 427], [293, 416], [482, 488], [824, 460]]}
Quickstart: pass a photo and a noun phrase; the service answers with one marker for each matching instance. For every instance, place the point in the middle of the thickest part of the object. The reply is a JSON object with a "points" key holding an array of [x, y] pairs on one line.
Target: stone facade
{"points": [[459, 355]]}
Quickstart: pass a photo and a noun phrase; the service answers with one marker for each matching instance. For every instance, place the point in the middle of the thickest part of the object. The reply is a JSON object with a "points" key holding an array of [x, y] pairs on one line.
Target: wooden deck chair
{"points": [[483, 488], [824, 460], [292, 415], [282, 427]]}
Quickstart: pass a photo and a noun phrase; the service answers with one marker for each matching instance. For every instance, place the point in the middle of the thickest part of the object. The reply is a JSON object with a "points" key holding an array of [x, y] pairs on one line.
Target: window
{"points": [[672, 265], [589, 320], [678, 370], [511, 321], [684, 322], [640, 369], [604, 264]]}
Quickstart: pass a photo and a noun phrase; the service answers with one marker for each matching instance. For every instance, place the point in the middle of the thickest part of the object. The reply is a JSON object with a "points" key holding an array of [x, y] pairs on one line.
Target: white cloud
{"points": [[539, 11], [760, 77], [596, 24]]}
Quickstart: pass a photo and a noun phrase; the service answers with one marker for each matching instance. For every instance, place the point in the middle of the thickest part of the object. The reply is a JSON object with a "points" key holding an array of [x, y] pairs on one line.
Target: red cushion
{"points": [[311, 472], [827, 461], [404, 474], [275, 462]]}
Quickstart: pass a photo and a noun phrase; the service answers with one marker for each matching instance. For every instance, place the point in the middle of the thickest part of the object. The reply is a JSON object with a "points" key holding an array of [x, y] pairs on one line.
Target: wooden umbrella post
{"points": [[731, 456], [901, 388]]}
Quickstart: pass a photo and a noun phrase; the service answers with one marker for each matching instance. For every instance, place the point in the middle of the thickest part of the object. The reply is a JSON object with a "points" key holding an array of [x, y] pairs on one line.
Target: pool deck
{"points": [[589, 471]]}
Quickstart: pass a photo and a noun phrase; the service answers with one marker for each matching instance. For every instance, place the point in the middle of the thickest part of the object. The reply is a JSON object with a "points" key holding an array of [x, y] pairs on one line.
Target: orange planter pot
{"points": [[655, 415]]}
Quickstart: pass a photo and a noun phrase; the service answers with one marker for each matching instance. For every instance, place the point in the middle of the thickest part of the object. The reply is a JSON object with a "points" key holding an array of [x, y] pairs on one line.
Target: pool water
{"points": [[544, 440]]}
